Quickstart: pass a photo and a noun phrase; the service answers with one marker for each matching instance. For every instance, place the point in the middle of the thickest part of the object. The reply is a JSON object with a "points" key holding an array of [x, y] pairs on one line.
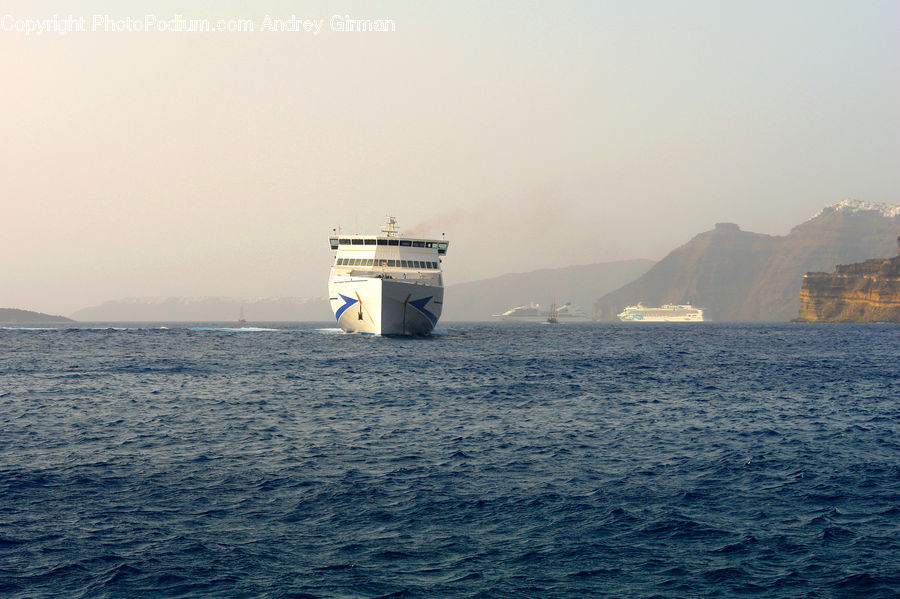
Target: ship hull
{"points": [[667, 313], [377, 306], [639, 318]]}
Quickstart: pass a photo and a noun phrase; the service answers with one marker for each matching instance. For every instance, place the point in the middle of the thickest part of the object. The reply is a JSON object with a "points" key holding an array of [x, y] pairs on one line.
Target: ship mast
{"points": [[390, 228]]}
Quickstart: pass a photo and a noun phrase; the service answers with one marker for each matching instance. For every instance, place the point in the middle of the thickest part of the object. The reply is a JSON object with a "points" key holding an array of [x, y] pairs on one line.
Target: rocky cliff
{"points": [[864, 292]]}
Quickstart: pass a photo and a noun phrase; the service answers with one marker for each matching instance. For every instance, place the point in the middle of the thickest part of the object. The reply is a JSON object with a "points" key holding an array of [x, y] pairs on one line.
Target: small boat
{"points": [[551, 317]]}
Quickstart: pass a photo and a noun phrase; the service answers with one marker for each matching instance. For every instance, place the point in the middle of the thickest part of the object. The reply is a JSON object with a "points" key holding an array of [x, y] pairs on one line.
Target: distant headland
{"points": [[14, 315]]}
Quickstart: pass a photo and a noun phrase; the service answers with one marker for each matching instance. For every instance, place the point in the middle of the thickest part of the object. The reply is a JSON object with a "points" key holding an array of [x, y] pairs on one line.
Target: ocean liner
{"points": [[386, 284], [536, 313], [665, 313]]}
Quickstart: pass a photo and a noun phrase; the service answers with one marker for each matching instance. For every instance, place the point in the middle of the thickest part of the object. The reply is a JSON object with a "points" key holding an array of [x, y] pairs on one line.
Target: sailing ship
{"points": [[551, 317]]}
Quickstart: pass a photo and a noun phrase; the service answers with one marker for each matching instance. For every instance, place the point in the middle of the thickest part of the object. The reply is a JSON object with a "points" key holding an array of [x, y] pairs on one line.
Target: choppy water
{"points": [[486, 461]]}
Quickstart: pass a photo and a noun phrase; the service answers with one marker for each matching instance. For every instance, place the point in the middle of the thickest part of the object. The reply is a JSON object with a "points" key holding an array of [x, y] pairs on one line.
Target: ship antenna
{"points": [[390, 228]]}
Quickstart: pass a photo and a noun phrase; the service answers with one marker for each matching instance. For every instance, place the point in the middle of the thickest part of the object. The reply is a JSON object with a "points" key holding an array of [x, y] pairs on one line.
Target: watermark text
{"points": [[62, 25]]}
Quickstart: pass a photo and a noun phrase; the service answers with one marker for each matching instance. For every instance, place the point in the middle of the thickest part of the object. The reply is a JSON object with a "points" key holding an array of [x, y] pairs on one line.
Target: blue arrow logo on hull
{"points": [[348, 301], [419, 305]]}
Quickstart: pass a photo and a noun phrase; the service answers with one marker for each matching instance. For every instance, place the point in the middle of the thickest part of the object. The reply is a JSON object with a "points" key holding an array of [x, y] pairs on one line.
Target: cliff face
{"points": [[741, 276], [864, 292]]}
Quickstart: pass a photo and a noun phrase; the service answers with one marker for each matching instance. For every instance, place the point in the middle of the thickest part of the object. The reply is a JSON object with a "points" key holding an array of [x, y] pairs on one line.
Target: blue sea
{"points": [[487, 460]]}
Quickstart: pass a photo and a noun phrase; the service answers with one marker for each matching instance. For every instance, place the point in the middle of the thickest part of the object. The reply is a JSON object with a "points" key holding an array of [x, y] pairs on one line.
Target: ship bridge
{"points": [[388, 255], [353, 243]]}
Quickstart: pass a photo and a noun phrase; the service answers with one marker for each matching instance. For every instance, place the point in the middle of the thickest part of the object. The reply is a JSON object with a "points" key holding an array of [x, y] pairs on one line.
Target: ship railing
{"points": [[418, 278]]}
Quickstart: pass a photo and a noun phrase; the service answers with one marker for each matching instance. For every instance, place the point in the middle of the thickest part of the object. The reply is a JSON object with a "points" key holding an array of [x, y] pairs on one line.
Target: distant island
{"points": [[14, 315]]}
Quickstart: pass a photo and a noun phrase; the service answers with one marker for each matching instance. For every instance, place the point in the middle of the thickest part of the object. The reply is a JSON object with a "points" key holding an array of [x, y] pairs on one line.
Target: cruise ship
{"points": [[536, 313], [665, 313], [386, 284]]}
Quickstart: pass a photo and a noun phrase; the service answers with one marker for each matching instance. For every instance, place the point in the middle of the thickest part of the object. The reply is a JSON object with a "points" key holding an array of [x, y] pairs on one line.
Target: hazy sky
{"points": [[533, 134]]}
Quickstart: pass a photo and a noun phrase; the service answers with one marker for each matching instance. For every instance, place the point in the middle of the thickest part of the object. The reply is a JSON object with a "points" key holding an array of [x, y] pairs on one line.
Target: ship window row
{"points": [[395, 263], [400, 242], [441, 246]]}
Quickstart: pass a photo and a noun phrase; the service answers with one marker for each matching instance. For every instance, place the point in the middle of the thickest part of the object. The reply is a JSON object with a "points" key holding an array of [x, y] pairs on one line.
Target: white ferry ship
{"points": [[665, 313], [386, 284]]}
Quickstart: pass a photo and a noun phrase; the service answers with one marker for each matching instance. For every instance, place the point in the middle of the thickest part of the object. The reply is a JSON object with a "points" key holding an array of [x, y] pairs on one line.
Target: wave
{"points": [[234, 329], [195, 463]]}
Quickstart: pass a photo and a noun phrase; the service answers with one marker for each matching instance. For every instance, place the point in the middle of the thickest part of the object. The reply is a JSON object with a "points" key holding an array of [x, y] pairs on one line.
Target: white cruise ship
{"points": [[386, 284], [536, 313], [665, 313]]}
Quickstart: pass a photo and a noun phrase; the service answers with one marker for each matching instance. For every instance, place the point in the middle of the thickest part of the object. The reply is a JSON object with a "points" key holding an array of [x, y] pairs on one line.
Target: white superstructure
{"points": [[665, 313], [386, 284]]}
